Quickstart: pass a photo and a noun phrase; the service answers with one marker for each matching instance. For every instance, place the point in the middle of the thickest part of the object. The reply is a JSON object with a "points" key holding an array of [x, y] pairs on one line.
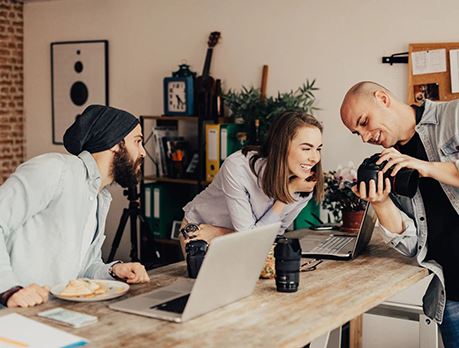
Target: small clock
{"points": [[179, 93]]}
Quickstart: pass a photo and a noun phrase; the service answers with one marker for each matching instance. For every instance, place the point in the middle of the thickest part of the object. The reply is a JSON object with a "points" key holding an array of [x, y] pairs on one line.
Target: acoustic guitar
{"points": [[205, 84]]}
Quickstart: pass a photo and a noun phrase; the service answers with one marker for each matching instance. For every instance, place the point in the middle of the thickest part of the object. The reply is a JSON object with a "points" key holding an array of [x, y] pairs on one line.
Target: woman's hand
{"points": [[297, 184], [207, 232], [376, 194]]}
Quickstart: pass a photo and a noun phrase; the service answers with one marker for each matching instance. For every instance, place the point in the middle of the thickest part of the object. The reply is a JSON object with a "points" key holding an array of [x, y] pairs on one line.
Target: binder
{"points": [[163, 205], [212, 150], [228, 139]]}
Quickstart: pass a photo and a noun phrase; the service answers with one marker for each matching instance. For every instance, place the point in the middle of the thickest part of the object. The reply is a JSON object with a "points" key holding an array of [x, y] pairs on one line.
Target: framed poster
{"points": [[175, 233], [79, 77]]}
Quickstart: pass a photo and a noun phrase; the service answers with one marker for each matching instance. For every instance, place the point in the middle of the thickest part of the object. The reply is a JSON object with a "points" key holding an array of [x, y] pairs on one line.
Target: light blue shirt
{"points": [[438, 130], [234, 199], [44, 208]]}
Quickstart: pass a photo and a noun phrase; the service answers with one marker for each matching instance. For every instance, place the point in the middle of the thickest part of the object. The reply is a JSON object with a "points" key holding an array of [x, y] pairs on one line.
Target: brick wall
{"points": [[11, 87]]}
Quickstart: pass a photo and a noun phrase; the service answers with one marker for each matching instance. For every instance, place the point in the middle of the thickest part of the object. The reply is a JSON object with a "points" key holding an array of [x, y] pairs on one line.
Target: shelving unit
{"points": [[170, 248]]}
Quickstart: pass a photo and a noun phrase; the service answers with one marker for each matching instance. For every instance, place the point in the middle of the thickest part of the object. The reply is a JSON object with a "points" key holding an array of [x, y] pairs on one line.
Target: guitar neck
{"points": [[206, 69]]}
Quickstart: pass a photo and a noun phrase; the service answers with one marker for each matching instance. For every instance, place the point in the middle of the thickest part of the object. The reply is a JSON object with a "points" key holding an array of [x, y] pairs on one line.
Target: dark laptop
{"points": [[335, 244]]}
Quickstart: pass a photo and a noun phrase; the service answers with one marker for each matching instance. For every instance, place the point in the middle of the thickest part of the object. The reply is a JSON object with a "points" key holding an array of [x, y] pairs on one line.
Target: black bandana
{"points": [[98, 128]]}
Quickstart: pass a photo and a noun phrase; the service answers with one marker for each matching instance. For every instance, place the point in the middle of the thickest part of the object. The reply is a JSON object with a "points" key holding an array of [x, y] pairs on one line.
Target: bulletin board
{"points": [[425, 80]]}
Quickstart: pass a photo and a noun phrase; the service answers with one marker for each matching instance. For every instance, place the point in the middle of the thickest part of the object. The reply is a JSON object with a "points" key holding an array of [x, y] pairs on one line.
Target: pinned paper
{"points": [[428, 62]]}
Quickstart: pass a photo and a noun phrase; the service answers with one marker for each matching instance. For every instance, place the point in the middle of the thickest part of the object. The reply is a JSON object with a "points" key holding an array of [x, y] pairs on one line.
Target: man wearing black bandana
{"points": [[53, 208], [424, 138]]}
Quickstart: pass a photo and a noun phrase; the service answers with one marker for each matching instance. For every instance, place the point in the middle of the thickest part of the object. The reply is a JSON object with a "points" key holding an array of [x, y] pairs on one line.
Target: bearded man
{"points": [[54, 206]]}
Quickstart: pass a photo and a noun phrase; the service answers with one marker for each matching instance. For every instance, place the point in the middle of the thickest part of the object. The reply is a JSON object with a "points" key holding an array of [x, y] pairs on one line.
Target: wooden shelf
{"points": [[172, 180], [172, 118]]}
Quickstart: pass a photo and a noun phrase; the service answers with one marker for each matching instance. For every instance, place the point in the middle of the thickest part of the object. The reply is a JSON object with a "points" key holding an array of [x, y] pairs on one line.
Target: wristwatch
{"points": [[189, 229], [5, 296], [110, 270]]}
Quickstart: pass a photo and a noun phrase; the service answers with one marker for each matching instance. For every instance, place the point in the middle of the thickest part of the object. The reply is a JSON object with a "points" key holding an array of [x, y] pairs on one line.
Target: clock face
{"points": [[176, 96]]}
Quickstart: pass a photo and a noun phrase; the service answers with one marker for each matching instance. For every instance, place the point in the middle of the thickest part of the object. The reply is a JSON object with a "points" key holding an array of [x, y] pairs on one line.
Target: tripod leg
{"points": [[118, 235], [133, 215]]}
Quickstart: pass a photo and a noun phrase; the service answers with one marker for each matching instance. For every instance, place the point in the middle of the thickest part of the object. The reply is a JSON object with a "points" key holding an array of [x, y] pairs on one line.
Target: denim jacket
{"points": [[44, 206], [438, 130]]}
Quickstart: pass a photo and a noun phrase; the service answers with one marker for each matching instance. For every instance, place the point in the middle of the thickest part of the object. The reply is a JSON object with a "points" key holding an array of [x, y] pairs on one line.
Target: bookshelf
{"points": [[191, 129]]}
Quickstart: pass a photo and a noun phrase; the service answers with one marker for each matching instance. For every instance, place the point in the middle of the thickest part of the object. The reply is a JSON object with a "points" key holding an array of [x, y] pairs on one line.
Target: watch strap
{"points": [[110, 270], [5, 296]]}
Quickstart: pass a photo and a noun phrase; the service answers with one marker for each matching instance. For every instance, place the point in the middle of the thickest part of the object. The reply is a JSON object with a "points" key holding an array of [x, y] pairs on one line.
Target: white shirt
{"points": [[234, 199]]}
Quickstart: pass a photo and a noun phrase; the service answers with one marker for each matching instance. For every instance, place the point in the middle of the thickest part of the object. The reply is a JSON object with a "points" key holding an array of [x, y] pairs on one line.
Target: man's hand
{"points": [[131, 272], [397, 161], [29, 296], [375, 194]]}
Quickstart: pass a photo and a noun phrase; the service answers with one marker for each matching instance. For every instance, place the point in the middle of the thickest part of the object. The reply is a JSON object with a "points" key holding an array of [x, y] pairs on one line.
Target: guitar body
{"points": [[206, 86], [205, 94]]}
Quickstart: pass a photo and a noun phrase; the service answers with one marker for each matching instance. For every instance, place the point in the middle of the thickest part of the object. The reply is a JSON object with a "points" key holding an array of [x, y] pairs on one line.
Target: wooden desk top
{"points": [[328, 297]]}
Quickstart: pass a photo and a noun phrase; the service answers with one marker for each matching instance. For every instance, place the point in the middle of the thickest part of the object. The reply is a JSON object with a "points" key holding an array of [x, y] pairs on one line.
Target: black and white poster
{"points": [[79, 77]]}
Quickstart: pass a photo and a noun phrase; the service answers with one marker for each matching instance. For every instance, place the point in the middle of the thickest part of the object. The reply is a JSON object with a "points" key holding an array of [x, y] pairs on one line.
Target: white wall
{"points": [[336, 42]]}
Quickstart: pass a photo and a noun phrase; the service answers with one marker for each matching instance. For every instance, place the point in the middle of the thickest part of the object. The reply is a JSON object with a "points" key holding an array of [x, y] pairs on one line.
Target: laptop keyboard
{"points": [[332, 245], [177, 305]]}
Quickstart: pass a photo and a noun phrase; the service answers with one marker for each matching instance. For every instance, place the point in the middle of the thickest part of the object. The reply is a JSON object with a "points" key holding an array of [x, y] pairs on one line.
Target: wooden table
{"points": [[328, 297]]}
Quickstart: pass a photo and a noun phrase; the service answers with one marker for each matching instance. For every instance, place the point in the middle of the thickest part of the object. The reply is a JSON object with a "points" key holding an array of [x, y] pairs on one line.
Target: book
{"points": [[19, 331], [159, 133]]}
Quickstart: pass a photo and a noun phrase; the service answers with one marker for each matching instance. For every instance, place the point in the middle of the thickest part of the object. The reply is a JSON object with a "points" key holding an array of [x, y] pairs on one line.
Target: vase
{"points": [[352, 220]]}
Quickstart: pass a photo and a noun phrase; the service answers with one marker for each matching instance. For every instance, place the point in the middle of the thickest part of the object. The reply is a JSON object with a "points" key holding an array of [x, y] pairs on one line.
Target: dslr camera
{"points": [[287, 253], [404, 183]]}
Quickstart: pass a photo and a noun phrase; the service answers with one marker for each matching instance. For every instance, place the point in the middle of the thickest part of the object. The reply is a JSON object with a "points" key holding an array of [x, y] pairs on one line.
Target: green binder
{"points": [[163, 205], [228, 139], [306, 217]]}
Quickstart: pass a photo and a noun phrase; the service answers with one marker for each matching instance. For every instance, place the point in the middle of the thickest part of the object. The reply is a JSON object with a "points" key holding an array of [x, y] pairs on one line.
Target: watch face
{"points": [[176, 96]]}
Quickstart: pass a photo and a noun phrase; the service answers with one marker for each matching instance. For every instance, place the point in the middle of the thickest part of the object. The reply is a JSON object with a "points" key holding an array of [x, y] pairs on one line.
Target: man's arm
{"points": [[29, 190], [444, 172], [397, 228]]}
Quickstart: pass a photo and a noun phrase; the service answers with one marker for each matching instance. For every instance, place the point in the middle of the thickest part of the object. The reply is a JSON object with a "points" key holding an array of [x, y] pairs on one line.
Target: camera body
{"points": [[404, 183], [287, 253], [195, 252]]}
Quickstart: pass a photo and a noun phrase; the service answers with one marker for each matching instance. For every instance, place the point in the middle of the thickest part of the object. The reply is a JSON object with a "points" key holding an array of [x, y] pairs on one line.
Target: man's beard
{"points": [[126, 172]]}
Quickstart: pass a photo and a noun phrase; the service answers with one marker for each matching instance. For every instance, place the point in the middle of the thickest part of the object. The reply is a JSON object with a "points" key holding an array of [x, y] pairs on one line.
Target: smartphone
{"points": [[322, 227], [68, 317]]}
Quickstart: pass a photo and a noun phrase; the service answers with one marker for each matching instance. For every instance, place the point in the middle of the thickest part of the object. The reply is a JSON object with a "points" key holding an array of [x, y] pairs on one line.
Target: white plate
{"points": [[115, 289]]}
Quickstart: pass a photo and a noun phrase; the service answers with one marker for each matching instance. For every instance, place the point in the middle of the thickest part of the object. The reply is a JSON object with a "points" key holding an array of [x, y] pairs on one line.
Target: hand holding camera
{"points": [[398, 179]]}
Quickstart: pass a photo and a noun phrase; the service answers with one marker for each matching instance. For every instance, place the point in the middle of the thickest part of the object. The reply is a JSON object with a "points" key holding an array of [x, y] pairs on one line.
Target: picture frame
{"points": [[175, 232], [79, 78]]}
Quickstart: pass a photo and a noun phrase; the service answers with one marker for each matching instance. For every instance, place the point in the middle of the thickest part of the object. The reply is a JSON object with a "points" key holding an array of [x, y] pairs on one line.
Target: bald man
{"points": [[424, 138]]}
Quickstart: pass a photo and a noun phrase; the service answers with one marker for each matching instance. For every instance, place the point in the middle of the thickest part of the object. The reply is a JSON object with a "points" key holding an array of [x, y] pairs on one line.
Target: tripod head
{"points": [[131, 193]]}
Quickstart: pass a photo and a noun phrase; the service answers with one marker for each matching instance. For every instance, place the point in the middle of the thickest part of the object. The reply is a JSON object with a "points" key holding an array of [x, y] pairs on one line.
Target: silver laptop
{"points": [[228, 273], [334, 244]]}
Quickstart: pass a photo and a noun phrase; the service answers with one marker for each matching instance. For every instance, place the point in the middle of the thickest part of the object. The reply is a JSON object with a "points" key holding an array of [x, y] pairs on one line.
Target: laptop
{"points": [[228, 273], [335, 244]]}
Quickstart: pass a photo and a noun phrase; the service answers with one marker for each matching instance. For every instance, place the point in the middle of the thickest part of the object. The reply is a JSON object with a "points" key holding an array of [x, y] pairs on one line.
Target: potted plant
{"points": [[256, 113], [339, 199]]}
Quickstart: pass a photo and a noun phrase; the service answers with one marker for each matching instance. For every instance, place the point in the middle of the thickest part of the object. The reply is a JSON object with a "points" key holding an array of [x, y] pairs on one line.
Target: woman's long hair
{"points": [[275, 177]]}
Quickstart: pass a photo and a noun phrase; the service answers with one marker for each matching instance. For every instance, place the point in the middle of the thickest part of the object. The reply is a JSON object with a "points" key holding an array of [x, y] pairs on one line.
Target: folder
{"points": [[163, 205], [212, 150], [228, 139]]}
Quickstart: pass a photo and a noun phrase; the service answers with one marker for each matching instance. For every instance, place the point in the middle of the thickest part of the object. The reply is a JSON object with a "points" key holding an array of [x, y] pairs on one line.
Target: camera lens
{"points": [[405, 182], [195, 252], [287, 253]]}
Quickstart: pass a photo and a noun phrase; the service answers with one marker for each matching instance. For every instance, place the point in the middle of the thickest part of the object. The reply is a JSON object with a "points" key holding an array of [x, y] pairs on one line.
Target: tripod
{"points": [[132, 212]]}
